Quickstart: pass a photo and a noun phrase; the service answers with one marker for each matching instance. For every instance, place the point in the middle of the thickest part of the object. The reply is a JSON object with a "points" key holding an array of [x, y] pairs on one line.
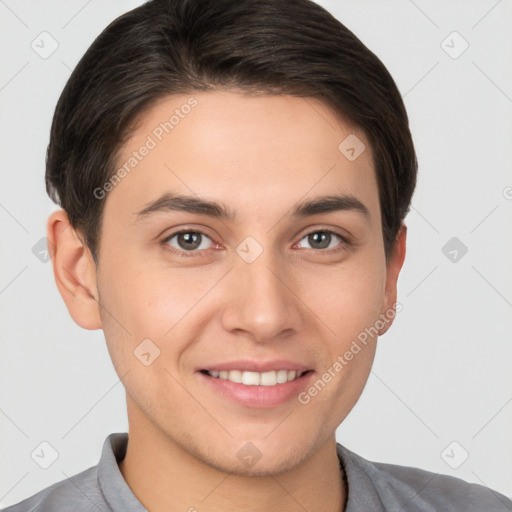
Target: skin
{"points": [[259, 155]]}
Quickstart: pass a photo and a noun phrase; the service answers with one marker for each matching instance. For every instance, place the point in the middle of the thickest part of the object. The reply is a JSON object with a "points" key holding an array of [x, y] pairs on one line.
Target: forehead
{"points": [[253, 152]]}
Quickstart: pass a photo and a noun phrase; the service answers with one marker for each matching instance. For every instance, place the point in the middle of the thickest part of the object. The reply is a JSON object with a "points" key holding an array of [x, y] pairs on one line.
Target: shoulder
{"points": [[416, 490], [79, 492], [442, 492]]}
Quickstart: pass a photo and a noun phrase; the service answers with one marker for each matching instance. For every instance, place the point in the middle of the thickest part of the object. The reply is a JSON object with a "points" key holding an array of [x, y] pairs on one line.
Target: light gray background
{"points": [[443, 371]]}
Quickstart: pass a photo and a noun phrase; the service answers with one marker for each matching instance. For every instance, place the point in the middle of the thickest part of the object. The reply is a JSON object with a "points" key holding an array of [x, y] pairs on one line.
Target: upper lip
{"points": [[250, 365]]}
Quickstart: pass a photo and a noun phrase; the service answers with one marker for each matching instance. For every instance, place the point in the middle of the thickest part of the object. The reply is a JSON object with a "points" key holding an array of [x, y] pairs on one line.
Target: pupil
{"points": [[190, 240], [326, 239]]}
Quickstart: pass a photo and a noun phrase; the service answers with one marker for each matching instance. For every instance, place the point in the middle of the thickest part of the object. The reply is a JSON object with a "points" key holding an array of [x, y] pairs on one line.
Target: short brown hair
{"points": [[167, 47]]}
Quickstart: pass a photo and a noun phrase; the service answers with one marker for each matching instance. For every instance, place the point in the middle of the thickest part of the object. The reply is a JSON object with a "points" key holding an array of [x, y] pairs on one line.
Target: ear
{"points": [[394, 266], [74, 270]]}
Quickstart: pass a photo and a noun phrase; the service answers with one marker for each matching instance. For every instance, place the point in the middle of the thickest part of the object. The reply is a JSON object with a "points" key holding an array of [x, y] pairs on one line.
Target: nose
{"points": [[263, 299]]}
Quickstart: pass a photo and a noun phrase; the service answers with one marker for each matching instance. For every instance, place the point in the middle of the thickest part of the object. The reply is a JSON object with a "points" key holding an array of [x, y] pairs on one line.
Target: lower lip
{"points": [[258, 396]]}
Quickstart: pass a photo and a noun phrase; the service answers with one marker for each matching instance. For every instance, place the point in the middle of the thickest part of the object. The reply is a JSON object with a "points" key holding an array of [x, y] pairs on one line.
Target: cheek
{"points": [[142, 301], [146, 298], [349, 304], [349, 298]]}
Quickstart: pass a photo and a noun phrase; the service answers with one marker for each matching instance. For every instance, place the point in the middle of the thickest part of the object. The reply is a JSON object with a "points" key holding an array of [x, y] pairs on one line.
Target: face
{"points": [[273, 284]]}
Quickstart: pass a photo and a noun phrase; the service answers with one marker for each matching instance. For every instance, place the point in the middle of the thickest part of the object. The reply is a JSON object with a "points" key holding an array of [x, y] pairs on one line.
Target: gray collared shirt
{"points": [[372, 487]]}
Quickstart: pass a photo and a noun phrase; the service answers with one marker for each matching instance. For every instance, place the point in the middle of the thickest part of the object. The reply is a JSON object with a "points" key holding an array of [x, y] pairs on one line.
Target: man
{"points": [[234, 176]]}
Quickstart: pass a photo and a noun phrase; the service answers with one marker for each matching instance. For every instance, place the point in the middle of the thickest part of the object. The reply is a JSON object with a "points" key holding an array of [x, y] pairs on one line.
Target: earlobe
{"points": [[394, 266], [74, 271]]}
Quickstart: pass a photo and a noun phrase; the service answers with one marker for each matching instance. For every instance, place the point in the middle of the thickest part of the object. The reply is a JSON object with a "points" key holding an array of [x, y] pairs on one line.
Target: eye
{"points": [[193, 242], [188, 241], [322, 239]]}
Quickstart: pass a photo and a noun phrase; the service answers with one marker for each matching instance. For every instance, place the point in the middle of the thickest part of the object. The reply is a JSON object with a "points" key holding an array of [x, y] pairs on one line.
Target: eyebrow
{"points": [[192, 204]]}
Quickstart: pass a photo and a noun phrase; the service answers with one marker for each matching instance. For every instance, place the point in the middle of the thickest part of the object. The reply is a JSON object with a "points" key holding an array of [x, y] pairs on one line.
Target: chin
{"points": [[275, 464], [257, 456]]}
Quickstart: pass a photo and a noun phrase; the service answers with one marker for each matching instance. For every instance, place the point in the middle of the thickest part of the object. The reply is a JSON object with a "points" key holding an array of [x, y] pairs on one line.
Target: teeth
{"points": [[282, 376], [250, 378], [235, 376], [268, 379], [255, 378]]}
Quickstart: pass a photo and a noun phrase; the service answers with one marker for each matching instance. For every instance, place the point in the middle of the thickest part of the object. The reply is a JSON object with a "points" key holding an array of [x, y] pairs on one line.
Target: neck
{"points": [[166, 477]]}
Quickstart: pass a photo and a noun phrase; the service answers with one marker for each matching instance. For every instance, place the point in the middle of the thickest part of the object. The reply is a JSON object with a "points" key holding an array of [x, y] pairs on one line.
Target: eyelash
{"points": [[345, 242]]}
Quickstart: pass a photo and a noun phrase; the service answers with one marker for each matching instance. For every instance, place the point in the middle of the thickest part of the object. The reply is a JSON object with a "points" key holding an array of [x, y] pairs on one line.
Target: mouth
{"points": [[256, 390], [270, 378]]}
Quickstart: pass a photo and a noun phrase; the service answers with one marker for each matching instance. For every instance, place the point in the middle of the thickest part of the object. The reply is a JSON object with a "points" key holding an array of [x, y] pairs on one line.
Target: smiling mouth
{"points": [[271, 378]]}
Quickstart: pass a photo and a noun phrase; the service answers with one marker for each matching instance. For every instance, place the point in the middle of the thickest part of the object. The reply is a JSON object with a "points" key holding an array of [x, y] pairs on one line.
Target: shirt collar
{"points": [[362, 494], [116, 491]]}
